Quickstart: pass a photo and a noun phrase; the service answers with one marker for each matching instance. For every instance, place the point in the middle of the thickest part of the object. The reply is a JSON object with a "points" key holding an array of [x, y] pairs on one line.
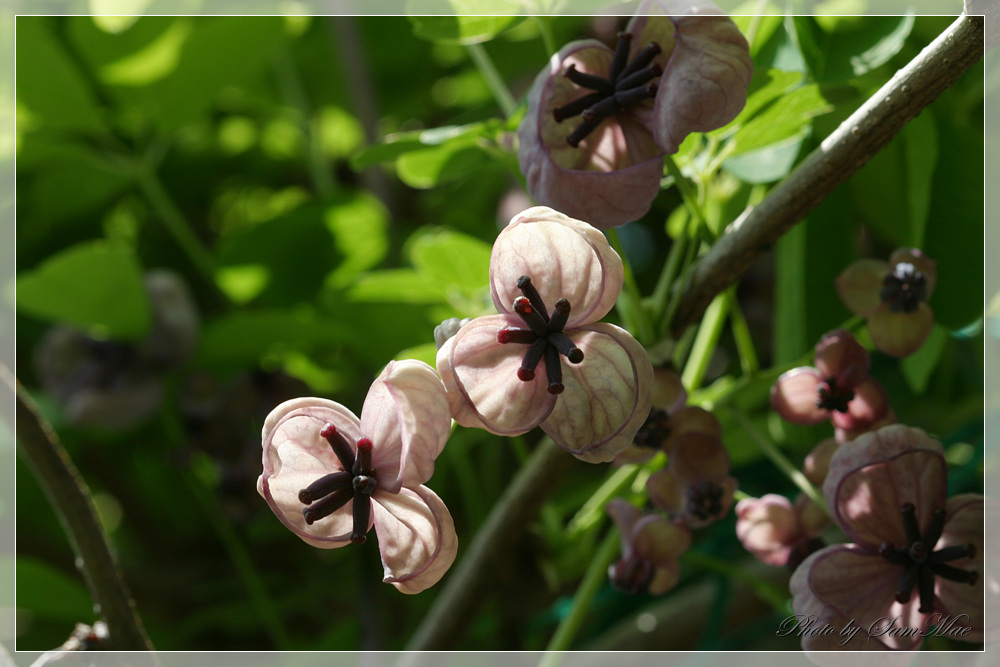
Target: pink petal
{"points": [[900, 334], [767, 527], [869, 406], [872, 477], [920, 261], [860, 283], [707, 68], [840, 435], [416, 536], [480, 376], [659, 541], [294, 456], [794, 396], [407, 418], [614, 174], [964, 524], [606, 397], [624, 515], [840, 356], [846, 582], [565, 259], [666, 492]]}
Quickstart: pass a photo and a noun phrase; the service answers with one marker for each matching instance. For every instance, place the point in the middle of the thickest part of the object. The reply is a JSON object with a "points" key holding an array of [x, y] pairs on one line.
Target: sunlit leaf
{"points": [[461, 21], [359, 225], [451, 258]]}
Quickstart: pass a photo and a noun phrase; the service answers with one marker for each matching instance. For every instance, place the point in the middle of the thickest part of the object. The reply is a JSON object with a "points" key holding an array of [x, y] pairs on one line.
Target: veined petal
{"points": [[407, 418], [794, 396], [869, 406], [295, 455], [565, 259], [900, 334], [668, 391], [860, 283], [480, 376], [416, 536], [606, 397], [872, 477], [964, 524]]}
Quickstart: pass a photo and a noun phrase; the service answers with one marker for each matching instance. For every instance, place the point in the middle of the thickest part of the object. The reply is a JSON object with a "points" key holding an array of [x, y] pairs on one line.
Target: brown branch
{"points": [[846, 150], [69, 495]]}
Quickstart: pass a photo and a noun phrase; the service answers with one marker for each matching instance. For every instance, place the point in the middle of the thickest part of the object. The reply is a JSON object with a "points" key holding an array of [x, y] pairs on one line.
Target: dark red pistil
{"points": [[920, 564], [331, 492], [904, 289], [632, 575], [627, 84], [544, 336], [833, 397], [703, 499], [655, 430]]}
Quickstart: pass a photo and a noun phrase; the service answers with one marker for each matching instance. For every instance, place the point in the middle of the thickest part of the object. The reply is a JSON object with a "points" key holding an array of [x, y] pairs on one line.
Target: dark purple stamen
{"points": [[655, 430], [703, 499], [904, 289], [833, 397], [920, 564], [544, 336], [356, 481], [632, 575], [627, 84]]}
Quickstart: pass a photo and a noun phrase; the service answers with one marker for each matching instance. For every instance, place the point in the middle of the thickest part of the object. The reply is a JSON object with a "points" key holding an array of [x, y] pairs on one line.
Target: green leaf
{"points": [[96, 286], [461, 21], [785, 117], [451, 259], [397, 286], [850, 48], [400, 143], [360, 226], [766, 165], [47, 592], [919, 366], [431, 167]]}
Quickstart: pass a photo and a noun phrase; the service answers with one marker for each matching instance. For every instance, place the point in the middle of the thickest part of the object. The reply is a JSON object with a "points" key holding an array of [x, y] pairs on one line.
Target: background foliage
{"points": [[329, 189]]}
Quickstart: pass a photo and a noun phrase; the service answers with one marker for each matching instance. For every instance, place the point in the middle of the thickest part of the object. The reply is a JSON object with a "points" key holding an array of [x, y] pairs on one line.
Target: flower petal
{"points": [[900, 334], [872, 477], [922, 262], [860, 284], [624, 514], [767, 527], [817, 461], [480, 376], [964, 524], [295, 455], [565, 259], [692, 419], [659, 541], [416, 536], [696, 456], [407, 418], [665, 492], [794, 396], [840, 356], [668, 391], [606, 397]]}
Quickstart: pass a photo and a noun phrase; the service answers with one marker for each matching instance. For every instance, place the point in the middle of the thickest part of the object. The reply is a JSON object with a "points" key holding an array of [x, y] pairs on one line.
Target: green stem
{"points": [[671, 269], [596, 574], [593, 510], [741, 333], [548, 38], [641, 327], [493, 79], [693, 245], [797, 476], [686, 188], [705, 343], [764, 590]]}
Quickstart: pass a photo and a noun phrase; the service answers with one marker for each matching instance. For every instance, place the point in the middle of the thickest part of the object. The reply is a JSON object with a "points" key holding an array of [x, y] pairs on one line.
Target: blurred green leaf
{"points": [[359, 224], [451, 259], [849, 49], [438, 142], [48, 592], [432, 167], [767, 164], [461, 21], [919, 366], [97, 286], [784, 117], [397, 286]]}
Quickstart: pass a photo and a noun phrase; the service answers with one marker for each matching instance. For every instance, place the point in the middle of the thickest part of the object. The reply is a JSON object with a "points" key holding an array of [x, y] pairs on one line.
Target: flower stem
{"points": [[596, 574], [548, 38], [687, 190], [640, 325], [705, 343], [764, 590], [797, 476], [741, 333], [592, 511], [493, 79]]}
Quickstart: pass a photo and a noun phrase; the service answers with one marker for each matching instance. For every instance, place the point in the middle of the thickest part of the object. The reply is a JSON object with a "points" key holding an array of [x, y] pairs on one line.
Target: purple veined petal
{"points": [[848, 582], [920, 261], [872, 477], [794, 396], [860, 283], [416, 536], [606, 397], [613, 175], [706, 73], [565, 259], [659, 541], [480, 377], [407, 418], [900, 334], [624, 514], [869, 406], [295, 455], [665, 492], [964, 524], [840, 356]]}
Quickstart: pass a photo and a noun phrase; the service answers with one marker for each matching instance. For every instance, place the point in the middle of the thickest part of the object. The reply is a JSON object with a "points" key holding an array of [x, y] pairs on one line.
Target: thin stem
{"points": [[493, 79], [70, 497], [705, 343], [596, 574], [671, 269], [548, 38], [797, 476], [592, 511], [764, 590], [678, 294], [641, 327], [686, 188], [741, 333]]}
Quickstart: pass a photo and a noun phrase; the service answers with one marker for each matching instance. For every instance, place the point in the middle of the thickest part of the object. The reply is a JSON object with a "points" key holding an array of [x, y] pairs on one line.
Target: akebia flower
{"points": [[651, 548], [917, 555], [695, 488], [837, 388], [330, 476], [545, 360], [600, 120], [778, 532], [893, 296]]}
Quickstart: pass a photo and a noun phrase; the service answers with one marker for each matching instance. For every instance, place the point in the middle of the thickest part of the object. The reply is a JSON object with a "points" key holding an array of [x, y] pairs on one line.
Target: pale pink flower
{"points": [[330, 476], [778, 532], [586, 383], [651, 549], [893, 296], [683, 67], [916, 554]]}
